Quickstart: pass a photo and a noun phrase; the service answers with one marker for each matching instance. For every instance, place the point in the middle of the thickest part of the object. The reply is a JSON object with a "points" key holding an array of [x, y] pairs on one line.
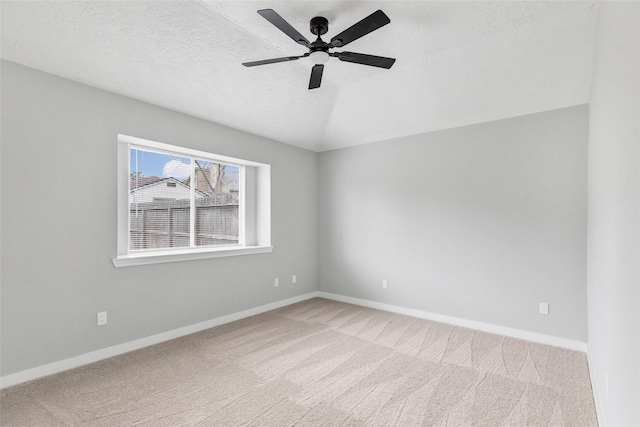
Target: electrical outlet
{"points": [[102, 318], [294, 279], [384, 284], [277, 282], [544, 308]]}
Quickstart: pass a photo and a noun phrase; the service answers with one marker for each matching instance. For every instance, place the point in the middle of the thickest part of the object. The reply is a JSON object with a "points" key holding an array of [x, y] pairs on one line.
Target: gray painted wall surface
{"points": [[481, 222], [59, 146], [614, 215]]}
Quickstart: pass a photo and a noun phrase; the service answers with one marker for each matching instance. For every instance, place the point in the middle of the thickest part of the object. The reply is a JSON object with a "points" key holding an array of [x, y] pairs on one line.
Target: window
{"points": [[176, 203], [166, 188]]}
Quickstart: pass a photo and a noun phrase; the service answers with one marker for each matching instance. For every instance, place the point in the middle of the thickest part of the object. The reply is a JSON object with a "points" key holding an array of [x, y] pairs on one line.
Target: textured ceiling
{"points": [[458, 63]]}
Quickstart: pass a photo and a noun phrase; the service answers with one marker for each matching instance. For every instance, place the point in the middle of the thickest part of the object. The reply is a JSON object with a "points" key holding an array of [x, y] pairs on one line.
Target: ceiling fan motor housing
{"points": [[319, 25]]}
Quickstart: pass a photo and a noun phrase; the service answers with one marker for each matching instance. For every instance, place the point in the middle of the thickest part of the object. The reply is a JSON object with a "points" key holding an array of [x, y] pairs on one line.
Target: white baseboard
{"points": [[471, 324], [597, 393], [105, 353]]}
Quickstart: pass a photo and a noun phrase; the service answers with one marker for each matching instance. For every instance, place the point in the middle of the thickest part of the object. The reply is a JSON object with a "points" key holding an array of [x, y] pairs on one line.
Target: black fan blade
{"points": [[271, 61], [277, 20], [371, 23], [361, 58], [316, 76]]}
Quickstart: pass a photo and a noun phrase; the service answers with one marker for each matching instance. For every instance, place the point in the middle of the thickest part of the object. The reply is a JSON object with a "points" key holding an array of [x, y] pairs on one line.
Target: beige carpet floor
{"points": [[320, 363]]}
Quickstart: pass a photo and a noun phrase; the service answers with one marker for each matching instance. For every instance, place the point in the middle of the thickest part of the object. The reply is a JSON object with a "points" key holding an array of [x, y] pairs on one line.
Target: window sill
{"points": [[162, 257]]}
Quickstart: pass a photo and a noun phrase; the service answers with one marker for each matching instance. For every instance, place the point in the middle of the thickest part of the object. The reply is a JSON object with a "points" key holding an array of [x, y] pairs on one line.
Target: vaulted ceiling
{"points": [[457, 63]]}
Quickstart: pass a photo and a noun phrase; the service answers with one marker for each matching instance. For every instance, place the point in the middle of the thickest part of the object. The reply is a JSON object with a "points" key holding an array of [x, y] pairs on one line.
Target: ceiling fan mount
{"points": [[319, 50], [319, 25]]}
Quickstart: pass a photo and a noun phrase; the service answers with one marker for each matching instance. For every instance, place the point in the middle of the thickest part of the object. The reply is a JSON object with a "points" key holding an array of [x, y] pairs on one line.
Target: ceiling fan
{"points": [[319, 50]]}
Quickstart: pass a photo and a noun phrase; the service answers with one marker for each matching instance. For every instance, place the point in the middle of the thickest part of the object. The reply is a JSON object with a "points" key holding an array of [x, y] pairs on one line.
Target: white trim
{"points": [[465, 323], [95, 356], [105, 353], [123, 199], [242, 221], [597, 395], [192, 203], [263, 206], [145, 258]]}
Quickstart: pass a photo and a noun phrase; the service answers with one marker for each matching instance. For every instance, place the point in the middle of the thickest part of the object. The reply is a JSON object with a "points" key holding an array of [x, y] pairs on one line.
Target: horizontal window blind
{"points": [[178, 201]]}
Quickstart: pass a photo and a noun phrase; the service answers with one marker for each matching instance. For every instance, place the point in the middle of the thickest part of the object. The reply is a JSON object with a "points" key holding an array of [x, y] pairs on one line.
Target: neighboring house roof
{"points": [[144, 181], [150, 181]]}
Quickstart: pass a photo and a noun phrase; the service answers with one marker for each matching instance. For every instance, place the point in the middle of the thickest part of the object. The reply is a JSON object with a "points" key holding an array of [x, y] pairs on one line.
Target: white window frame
{"points": [[255, 208]]}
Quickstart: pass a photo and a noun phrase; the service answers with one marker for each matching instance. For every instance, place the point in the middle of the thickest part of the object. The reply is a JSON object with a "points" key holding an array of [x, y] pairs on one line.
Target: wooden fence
{"points": [[165, 223]]}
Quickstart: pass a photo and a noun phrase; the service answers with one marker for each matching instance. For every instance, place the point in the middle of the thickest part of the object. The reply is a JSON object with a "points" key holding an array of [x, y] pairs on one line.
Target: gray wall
{"points": [[614, 215], [481, 222], [59, 146]]}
